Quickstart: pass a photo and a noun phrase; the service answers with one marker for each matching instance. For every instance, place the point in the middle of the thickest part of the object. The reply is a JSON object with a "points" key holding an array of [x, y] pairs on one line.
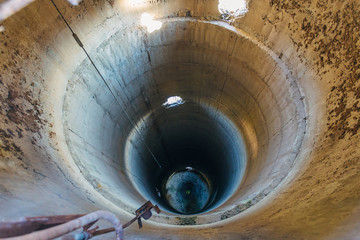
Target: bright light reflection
{"points": [[189, 169], [173, 102], [237, 7], [137, 2], [148, 22], [74, 2]]}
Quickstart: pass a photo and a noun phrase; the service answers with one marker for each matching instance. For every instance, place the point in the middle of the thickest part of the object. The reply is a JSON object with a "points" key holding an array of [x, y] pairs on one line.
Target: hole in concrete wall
{"points": [[231, 9], [173, 102], [148, 21]]}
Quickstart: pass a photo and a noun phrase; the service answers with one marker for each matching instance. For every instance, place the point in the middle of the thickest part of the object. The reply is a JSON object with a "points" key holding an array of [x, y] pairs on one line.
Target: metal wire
{"points": [[77, 39]]}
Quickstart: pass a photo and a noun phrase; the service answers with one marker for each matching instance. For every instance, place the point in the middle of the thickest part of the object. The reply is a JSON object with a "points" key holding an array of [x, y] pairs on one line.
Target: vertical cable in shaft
{"points": [[77, 39]]}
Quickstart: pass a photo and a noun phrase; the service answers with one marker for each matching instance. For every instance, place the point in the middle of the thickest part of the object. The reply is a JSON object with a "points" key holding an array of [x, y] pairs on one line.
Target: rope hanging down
{"points": [[77, 39]]}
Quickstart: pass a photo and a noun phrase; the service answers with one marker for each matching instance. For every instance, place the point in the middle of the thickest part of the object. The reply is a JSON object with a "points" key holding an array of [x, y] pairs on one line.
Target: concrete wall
{"points": [[285, 75]]}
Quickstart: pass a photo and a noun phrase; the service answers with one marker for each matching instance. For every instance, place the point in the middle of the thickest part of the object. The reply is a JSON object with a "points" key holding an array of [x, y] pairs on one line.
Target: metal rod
{"points": [[31, 224], [143, 212], [72, 225], [46, 227]]}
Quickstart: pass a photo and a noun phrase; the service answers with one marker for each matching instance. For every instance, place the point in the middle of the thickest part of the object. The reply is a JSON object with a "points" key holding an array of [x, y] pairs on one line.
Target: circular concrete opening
{"points": [[66, 143], [190, 134], [196, 94]]}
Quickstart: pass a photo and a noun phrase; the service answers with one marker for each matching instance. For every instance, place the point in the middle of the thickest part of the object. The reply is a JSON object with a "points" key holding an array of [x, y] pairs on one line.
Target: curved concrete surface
{"points": [[270, 115]]}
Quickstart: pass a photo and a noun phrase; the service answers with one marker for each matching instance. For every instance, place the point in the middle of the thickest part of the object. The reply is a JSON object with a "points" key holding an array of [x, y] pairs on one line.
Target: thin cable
{"points": [[77, 39]]}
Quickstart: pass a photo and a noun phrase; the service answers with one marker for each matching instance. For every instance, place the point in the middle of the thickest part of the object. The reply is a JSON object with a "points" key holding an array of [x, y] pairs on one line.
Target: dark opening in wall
{"points": [[199, 150]]}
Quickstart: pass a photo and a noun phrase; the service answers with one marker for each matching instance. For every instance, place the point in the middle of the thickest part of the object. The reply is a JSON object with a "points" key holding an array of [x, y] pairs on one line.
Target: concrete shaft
{"points": [[270, 115]]}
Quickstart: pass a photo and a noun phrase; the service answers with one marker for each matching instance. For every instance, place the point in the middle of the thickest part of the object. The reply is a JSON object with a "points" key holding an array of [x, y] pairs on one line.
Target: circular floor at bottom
{"points": [[187, 191]]}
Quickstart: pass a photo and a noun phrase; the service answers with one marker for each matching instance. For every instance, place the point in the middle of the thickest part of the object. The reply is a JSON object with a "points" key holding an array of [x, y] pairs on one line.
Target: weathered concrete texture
{"points": [[187, 58], [286, 75]]}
